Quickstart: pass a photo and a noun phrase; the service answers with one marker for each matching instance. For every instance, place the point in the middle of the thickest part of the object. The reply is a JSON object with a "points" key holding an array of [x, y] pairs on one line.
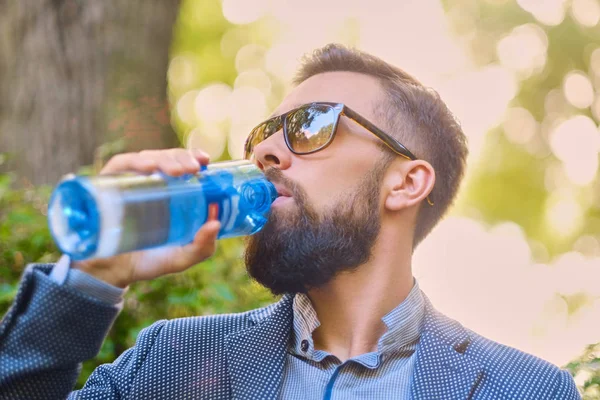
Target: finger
{"points": [[207, 232], [202, 247], [166, 162], [213, 212], [129, 162], [189, 162], [200, 155]]}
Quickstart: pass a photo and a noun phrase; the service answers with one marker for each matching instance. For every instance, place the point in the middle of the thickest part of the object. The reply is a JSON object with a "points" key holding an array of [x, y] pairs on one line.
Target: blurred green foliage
{"points": [[24, 235], [588, 364], [510, 185]]}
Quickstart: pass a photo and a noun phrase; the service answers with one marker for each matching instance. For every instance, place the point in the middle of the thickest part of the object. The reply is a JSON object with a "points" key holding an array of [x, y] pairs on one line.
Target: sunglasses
{"points": [[312, 127]]}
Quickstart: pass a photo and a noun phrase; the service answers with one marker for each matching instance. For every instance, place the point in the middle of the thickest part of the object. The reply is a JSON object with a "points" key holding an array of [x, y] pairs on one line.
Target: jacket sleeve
{"points": [[114, 381], [565, 387], [45, 336]]}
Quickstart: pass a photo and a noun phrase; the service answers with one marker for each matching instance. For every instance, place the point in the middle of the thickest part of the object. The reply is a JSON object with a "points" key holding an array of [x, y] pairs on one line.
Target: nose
{"points": [[273, 152]]}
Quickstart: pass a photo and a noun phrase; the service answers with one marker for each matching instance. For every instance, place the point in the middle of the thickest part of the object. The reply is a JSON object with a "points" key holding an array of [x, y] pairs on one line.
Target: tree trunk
{"points": [[75, 74]]}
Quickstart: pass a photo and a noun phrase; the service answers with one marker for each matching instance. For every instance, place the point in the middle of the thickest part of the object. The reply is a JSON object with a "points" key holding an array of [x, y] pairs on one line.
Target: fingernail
{"points": [[213, 212], [201, 153]]}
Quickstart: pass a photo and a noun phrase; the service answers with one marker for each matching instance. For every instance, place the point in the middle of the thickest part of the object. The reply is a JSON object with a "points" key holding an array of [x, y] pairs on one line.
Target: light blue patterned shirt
{"points": [[385, 374]]}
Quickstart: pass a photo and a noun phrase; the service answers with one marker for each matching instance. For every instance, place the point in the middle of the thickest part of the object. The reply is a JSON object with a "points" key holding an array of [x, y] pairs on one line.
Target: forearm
{"points": [[46, 334]]}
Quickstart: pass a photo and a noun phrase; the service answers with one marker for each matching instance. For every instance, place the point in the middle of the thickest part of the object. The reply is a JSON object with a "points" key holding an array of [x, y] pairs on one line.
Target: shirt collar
{"points": [[403, 323]]}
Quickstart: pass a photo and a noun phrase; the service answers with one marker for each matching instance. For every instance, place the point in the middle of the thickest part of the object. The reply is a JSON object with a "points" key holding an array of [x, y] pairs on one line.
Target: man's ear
{"points": [[408, 183]]}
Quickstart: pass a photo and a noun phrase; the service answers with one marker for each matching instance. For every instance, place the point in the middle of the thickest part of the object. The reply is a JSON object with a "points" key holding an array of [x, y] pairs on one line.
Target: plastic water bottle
{"points": [[101, 216]]}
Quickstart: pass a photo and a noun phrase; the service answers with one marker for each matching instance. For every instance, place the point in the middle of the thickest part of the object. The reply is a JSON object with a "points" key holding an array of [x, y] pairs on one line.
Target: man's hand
{"points": [[125, 269]]}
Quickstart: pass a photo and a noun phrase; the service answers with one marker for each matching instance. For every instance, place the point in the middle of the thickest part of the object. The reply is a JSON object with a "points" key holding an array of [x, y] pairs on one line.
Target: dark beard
{"points": [[298, 249]]}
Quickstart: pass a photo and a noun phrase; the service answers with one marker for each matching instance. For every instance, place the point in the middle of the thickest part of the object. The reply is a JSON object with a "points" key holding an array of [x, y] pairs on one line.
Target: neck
{"points": [[351, 306]]}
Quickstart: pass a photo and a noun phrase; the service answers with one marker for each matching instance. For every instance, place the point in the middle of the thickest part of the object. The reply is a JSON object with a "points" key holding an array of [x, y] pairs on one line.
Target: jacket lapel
{"points": [[444, 369], [256, 356]]}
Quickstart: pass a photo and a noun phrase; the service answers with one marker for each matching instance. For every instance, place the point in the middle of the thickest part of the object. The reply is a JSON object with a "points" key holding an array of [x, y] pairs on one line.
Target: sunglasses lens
{"points": [[260, 133], [310, 128]]}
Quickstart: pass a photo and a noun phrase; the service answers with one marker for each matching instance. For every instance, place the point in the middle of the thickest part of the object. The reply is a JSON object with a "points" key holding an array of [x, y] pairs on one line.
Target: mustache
{"points": [[305, 209], [275, 175]]}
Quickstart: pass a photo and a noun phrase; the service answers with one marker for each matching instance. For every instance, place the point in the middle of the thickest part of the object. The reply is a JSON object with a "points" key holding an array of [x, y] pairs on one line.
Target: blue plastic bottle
{"points": [[102, 216]]}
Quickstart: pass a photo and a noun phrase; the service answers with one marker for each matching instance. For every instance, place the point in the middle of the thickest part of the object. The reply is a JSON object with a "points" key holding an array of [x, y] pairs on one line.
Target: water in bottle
{"points": [[101, 216]]}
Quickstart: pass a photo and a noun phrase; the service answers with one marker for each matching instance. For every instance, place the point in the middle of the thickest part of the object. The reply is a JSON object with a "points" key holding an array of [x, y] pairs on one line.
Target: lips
{"points": [[282, 192], [281, 200]]}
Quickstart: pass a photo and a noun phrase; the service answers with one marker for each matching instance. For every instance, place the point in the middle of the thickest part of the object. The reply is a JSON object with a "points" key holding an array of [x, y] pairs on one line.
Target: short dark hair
{"points": [[412, 113]]}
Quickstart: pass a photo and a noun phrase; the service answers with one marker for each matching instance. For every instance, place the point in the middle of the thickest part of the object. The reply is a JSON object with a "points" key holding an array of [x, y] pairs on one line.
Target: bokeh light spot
{"points": [[185, 107], [212, 103], [586, 12], [578, 89], [182, 73], [548, 12], [244, 11], [563, 213], [524, 50], [576, 143], [208, 137], [251, 56], [255, 78], [519, 125]]}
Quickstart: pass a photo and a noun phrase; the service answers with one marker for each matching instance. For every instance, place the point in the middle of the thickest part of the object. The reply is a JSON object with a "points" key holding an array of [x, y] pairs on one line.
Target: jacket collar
{"points": [[443, 368], [256, 355]]}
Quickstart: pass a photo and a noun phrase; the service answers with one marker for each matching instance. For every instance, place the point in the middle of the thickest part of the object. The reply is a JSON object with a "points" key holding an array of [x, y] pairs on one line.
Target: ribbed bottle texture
{"points": [[105, 215]]}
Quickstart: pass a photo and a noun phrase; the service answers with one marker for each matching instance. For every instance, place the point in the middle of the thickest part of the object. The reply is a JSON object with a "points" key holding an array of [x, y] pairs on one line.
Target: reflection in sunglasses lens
{"points": [[310, 128]]}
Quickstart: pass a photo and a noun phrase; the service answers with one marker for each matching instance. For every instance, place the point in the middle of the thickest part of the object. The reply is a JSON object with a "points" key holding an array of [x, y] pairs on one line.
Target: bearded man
{"points": [[366, 161]]}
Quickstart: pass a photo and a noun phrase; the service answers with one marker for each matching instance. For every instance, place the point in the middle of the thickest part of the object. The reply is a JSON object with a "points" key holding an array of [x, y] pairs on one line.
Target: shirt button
{"points": [[304, 345]]}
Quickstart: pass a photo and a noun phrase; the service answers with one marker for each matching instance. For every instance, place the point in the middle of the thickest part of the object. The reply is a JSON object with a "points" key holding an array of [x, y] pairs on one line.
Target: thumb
{"points": [[202, 247]]}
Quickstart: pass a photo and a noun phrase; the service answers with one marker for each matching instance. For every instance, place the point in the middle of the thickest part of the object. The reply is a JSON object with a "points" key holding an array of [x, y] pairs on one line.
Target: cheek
{"points": [[324, 189], [321, 193], [327, 176]]}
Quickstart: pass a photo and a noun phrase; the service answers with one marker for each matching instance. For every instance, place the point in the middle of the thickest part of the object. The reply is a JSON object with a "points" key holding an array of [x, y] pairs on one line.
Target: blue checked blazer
{"points": [[50, 329]]}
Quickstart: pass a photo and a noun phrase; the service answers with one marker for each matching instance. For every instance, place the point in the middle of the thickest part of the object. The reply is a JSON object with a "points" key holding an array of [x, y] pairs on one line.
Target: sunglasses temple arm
{"points": [[404, 152], [393, 144]]}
